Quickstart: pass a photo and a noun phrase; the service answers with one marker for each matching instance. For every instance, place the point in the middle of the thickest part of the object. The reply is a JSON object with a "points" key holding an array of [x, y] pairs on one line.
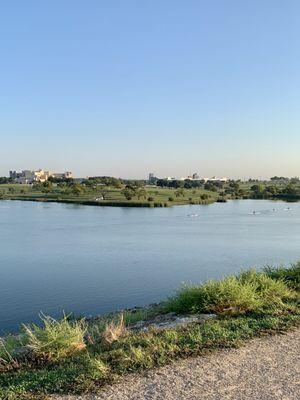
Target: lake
{"points": [[92, 260]]}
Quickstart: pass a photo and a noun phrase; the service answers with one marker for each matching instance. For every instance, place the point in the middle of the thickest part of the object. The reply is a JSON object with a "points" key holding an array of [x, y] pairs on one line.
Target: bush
{"points": [[171, 198], [56, 340], [272, 292], [150, 198], [291, 276], [251, 291], [228, 296]]}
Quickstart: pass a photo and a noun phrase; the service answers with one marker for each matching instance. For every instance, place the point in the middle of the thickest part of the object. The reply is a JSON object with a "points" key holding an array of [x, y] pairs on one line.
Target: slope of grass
{"points": [[251, 291], [70, 356], [291, 276], [155, 197]]}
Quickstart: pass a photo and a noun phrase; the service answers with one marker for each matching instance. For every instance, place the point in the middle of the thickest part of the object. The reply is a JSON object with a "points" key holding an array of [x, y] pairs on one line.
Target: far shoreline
{"points": [[128, 204]]}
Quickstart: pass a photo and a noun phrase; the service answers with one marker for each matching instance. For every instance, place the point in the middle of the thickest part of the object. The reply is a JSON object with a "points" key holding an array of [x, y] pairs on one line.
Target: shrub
{"points": [[291, 276], [171, 198], [150, 198], [56, 340], [251, 291], [271, 292], [228, 296]]}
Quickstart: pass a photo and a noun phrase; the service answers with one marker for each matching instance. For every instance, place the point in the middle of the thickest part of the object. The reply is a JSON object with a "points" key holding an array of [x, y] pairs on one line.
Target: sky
{"points": [[125, 88]]}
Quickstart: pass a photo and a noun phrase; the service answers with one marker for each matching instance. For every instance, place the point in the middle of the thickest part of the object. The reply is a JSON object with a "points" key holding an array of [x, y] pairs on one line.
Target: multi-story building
{"points": [[215, 179], [28, 176], [152, 178], [62, 175]]}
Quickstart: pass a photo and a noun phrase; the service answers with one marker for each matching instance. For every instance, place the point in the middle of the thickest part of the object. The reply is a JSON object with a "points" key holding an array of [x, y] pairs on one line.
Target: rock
{"points": [[170, 321]]}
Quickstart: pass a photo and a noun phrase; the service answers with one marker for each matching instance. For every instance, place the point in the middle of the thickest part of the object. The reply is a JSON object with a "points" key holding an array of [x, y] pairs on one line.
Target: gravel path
{"points": [[265, 369]]}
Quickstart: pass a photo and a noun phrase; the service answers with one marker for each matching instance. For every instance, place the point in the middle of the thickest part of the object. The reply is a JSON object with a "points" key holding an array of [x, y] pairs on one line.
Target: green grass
{"points": [[249, 305], [55, 340], [291, 276], [249, 292], [113, 197], [160, 196]]}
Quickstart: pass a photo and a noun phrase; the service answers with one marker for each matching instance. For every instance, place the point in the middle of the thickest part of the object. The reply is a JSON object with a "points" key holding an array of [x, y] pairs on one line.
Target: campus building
{"points": [[28, 176]]}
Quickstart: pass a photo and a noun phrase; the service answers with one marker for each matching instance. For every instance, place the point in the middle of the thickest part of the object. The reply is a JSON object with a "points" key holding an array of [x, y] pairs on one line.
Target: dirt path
{"points": [[265, 369]]}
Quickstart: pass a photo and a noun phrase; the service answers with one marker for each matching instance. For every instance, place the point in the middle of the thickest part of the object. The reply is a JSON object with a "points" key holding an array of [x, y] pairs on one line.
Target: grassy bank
{"points": [[108, 191], [141, 195], [76, 356], [108, 196]]}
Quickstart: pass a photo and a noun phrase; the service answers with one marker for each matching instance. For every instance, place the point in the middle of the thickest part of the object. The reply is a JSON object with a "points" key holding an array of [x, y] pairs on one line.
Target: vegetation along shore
{"points": [[109, 191], [75, 355]]}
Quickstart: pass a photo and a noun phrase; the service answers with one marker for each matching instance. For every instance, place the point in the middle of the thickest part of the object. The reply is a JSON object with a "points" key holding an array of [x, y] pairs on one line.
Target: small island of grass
{"points": [[109, 191]]}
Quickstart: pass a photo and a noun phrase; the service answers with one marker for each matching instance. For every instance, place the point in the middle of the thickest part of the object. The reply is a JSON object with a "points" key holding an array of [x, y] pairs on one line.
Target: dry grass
{"points": [[114, 331]]}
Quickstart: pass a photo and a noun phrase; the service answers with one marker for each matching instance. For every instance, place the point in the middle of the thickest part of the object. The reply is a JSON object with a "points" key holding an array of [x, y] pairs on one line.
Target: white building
{"points": [[215, 179], [28, 176]]}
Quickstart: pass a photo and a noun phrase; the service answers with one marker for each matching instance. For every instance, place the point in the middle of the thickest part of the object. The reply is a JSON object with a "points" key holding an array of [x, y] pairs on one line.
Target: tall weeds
{"points": [[56, 340]]}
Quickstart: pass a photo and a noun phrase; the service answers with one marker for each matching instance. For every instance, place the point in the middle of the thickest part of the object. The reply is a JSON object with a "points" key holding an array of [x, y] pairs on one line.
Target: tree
{"points": [[141, 193], [103, 193], [271, 190], [128, 192], [290, 190], [46, 186], [257, 190], [179, 192], [77, 189]]}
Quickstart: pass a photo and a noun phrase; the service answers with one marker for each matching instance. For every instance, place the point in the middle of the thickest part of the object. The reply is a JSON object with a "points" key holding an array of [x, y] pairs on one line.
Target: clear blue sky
{"points": [[126, 87]]}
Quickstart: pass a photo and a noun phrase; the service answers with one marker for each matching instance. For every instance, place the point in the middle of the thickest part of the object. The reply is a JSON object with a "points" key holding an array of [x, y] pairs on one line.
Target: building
{"points": [[194, 177], [62, 175], [152, 178], [27, 176], [215, 179]]}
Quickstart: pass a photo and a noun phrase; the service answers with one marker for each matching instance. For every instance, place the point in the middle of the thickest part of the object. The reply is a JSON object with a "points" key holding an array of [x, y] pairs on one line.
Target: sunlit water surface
{"points": [[92, 260]]}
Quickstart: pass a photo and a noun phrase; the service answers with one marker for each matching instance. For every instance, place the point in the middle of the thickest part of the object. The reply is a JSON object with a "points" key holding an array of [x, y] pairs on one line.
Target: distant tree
{"points": [[290, 190], [104, 180], [271, 190], [234, 185], [188, 184], [141, 193], [103, 193], [5, 180], [77, 189], [47, 186], [257, 190], [210, 186], [179, 193], [129, 192]]}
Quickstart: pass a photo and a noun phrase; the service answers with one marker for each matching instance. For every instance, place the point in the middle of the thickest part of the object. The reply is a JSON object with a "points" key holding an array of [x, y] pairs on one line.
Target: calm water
{"points": [[92, 260]]}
